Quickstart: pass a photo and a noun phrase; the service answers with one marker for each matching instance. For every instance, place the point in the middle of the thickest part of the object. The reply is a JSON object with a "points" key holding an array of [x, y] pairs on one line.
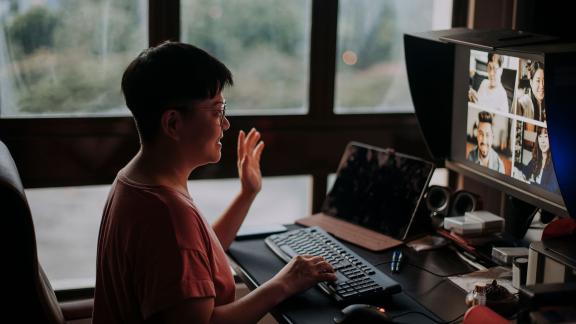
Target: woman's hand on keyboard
{"points": [[303, 272]]}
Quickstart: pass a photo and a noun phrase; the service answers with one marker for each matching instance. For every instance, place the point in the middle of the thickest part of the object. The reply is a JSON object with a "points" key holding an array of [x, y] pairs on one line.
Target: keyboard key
{"points": [[288, 250]]}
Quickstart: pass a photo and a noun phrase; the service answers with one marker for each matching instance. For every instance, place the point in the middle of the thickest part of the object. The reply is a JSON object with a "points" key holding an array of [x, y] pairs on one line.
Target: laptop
{"points": [[375, 198]]}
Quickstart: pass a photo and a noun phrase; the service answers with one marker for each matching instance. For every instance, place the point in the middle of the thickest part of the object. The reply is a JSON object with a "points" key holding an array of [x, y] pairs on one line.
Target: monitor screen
{"points": [[499, 122], [379, 189]]}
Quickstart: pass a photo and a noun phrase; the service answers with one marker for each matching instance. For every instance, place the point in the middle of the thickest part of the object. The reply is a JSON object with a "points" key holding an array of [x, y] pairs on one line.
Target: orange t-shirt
{"points": [[155, 250]]}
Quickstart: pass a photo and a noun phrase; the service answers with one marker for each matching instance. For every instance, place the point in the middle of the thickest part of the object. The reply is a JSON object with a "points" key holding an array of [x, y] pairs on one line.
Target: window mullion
{"points": [[163, 21], [322, 58]]}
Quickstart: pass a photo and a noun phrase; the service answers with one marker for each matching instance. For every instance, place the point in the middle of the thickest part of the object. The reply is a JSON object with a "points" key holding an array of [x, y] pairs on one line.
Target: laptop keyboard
{"points": [[356, 278]]}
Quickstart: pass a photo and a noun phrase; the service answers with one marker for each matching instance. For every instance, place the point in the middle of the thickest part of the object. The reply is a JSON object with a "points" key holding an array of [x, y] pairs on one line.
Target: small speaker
{"points": [[438, 201], [463, 201]]}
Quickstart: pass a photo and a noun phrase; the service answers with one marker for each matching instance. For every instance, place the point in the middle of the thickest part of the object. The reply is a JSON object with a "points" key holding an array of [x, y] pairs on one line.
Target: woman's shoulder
{"points": [[158, 201], [190, 227]]}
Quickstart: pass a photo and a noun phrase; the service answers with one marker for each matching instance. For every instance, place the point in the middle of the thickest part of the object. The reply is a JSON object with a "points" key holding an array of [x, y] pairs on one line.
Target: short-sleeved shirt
{"points": [[493, 98], [494, 161], [155, 250]]}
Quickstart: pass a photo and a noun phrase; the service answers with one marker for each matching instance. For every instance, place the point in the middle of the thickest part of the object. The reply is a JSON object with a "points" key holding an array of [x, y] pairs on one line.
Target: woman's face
{"points": [[537, 84], [204, 128], [543, 140]]}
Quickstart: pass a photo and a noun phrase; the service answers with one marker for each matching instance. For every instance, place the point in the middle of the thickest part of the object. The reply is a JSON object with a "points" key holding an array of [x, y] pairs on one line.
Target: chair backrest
{"points": [[28, 295]]}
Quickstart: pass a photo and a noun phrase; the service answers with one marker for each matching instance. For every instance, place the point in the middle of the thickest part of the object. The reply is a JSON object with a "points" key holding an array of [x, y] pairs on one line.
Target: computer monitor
{"points": [[444, 66], [499, 130]]}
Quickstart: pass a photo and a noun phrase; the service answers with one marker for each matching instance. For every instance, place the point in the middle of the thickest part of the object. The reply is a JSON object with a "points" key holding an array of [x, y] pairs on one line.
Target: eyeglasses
{"points": [[221, 109]]}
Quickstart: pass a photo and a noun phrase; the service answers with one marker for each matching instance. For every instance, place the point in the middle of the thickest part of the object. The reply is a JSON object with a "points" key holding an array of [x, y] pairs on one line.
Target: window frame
{"points": [[90, 150]]}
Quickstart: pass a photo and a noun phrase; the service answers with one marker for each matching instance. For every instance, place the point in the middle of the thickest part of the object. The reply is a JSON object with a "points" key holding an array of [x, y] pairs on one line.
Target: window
{"points": [[265, 43], [281, 201], [67, 56], [67, 220], [371, 75]]}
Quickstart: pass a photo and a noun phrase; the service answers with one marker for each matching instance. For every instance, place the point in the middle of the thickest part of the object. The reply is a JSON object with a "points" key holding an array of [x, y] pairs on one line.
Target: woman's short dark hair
{"points": [[170, 75]]}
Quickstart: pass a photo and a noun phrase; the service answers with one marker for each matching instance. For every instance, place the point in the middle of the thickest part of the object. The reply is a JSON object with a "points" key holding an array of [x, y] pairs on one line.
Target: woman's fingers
{"points": [[252, 139], [319, 264], [258, 151], [247, 141], [327, 276], [248, 145], [241, 140]]}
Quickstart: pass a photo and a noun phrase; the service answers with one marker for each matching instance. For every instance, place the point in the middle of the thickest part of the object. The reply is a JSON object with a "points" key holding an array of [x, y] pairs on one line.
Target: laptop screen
{"points": [[378, 189]]}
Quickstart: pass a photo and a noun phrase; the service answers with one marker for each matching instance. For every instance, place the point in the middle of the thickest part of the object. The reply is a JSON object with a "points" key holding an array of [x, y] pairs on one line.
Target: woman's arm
{"points": [[301, 273], [228, 224], [248, 309], [249, 153]]}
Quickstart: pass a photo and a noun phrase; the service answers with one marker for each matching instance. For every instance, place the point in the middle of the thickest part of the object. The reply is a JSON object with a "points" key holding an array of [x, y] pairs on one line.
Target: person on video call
{"points": [[531, 102], [158, 260], [540, 170], [491, 94], [483, 153]]}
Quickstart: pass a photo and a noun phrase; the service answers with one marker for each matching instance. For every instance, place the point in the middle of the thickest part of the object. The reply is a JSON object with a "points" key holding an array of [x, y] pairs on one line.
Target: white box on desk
{"points": [[476, 222], [463, 225], [488, 219]]}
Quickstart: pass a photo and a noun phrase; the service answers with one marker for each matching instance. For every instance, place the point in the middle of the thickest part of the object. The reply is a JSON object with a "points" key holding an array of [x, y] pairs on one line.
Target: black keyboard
{"points": [[356, 278]]}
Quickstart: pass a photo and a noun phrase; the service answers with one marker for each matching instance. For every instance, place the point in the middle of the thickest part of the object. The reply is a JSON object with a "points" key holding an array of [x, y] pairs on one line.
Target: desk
{"points": [[421, 291]]}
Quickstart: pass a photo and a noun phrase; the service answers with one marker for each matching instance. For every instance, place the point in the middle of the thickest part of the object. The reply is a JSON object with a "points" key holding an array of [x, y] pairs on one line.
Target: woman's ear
{"points": [[171, 124]]}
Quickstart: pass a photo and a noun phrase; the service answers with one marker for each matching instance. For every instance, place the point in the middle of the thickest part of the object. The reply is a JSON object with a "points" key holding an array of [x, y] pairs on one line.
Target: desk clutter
{"points": [[475, 223], [494, 296], [478, 237], [476, 232], [502, 296], [491, 288]]}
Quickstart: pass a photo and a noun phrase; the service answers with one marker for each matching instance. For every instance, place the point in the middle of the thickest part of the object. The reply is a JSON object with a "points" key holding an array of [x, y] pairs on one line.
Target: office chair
{"points": [[28, 295]]}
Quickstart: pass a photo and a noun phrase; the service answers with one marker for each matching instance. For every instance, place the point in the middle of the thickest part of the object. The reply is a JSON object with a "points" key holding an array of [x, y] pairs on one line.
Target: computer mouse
{"points": [[362, 313]]}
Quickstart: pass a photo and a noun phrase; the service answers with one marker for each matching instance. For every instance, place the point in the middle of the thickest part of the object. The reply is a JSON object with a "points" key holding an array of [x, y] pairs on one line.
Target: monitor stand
{"points": [[518, 215]]}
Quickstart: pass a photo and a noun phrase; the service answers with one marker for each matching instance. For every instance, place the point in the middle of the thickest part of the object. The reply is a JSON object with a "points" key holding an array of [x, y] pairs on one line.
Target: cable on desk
{"points": [[425, 270], [428, 316], [442, 281], [436, 274]]}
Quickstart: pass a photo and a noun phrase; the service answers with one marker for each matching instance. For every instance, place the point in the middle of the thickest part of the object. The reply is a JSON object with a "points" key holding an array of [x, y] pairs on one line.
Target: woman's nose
{"points": [[225, 123]]}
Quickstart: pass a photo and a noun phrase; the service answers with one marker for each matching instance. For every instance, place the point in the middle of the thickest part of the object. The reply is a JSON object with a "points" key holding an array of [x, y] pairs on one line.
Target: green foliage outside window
{"points": [[33, 30], [373, 77], [264, 42], [69, 58]]}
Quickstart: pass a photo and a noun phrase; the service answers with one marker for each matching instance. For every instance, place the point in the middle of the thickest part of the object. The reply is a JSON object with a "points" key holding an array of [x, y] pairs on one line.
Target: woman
{"points": [[540, 169], [531, 103], [159, 261]]}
